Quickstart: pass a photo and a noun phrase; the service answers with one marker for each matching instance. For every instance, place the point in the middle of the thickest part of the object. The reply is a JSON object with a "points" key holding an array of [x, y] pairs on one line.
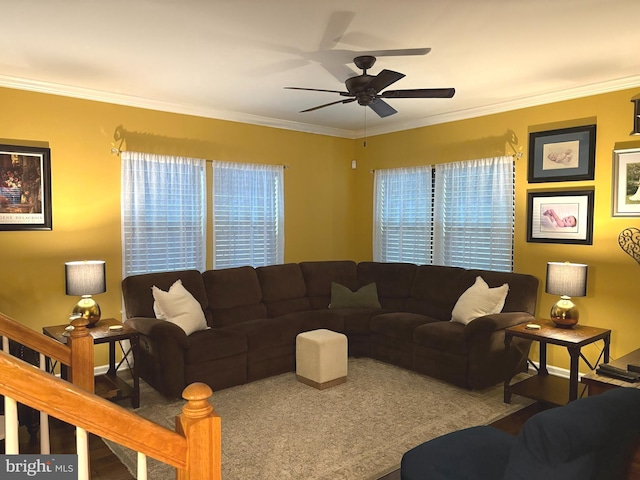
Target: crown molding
{"points": [[139, 102], [525, 102]]}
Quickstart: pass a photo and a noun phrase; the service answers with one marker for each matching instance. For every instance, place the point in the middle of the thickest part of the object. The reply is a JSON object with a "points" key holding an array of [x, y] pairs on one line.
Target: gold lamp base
{"points": [[564, 313], [88, 309]]}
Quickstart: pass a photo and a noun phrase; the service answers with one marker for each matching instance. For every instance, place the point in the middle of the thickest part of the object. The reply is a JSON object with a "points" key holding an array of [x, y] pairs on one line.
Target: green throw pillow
{"points": [[365, 297]]}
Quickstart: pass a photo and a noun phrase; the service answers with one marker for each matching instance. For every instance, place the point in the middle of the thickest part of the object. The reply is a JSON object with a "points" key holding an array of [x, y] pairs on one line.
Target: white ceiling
{"points": [[230, 59]]}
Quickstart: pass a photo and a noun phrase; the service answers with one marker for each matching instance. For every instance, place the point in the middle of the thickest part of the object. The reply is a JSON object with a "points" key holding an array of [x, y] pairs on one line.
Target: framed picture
{"points": [[560, 217], [25, 188], [562, 155], [626, 183]]}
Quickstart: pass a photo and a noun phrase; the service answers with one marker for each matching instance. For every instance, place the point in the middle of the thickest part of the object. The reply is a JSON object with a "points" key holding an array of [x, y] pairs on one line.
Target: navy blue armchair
{"points": [[589, 438]]}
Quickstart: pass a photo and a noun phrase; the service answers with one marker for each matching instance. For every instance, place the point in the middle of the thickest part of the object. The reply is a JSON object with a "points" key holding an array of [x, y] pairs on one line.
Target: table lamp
{"points": [[86, 278], [567, 280]]}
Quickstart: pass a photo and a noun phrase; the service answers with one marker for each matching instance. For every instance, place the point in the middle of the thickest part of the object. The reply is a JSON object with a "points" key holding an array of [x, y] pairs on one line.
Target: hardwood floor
{"points": [[106, 466]]}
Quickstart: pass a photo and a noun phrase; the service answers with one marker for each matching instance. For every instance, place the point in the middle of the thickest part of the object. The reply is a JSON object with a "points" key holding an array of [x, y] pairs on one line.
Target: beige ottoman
{"points": [[321, 358]]}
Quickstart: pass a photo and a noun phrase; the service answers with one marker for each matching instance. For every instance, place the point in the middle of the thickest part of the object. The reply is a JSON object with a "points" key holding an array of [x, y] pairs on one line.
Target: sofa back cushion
{"points": [[283, 289], [393, 281], [319, 275], [138, 297], [234, 295], [435, 291], [523, 288]]}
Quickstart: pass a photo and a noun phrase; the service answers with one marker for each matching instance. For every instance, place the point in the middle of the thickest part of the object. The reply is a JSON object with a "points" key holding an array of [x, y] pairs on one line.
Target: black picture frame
{"points": [[562, 155], [25, 188], [550, 214], [626, 183]]}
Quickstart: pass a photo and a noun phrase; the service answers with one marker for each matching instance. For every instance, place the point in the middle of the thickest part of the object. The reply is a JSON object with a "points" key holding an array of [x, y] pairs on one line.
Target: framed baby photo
{"points": [[562, 155], [560, 217], [626, 183]]}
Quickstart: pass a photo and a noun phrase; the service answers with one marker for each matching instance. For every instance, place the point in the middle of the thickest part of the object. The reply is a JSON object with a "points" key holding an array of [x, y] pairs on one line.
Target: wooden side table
{"points": [[549, 388], [597, 384], [110, 385]]}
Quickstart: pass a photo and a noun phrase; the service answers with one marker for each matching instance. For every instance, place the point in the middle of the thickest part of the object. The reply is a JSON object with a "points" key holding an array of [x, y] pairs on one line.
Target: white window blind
{"points": [[163, 213], [248, 214], [474, 214], [403, 215], [466, 219]]}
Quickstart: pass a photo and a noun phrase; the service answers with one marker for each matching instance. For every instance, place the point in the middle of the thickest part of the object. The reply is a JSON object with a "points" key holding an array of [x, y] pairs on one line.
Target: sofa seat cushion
{"points": [[398, 325], [357, 320], [443, 336], [267, 333], [214, 344], [316, 319]]}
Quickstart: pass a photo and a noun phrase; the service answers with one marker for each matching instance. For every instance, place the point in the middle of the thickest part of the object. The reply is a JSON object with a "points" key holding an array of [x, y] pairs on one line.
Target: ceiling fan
{"points": [[367, 89]]}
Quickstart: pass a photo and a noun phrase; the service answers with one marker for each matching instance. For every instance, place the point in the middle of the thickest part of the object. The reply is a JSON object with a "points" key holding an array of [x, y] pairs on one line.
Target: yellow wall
{"points": [[613, 299], [328, 205], [86, 191]]}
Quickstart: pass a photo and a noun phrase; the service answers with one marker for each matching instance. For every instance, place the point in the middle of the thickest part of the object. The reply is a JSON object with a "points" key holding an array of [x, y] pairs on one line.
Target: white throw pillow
{"points": [[180, 307], [479, 300]]}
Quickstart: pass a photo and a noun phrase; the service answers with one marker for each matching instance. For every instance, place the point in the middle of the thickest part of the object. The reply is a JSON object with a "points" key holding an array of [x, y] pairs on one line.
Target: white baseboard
{"points": [[557, 371]]}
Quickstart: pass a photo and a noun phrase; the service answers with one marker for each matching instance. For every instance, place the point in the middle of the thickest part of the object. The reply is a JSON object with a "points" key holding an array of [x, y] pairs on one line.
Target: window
{"points": [[403, 215], [163, 213], [248, 215], [470, 224]]}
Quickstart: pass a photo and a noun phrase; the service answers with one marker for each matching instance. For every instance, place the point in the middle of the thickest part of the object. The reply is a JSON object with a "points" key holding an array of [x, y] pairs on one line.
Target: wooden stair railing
{"points": [[194, 449], [77, 354]]}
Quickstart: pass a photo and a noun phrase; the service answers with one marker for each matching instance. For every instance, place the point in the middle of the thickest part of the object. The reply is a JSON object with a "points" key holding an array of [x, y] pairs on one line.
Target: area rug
{"points": [[279, 428]]}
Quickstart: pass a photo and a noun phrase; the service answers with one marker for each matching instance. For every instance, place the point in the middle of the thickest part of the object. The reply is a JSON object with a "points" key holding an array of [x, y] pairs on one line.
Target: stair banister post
{"points": [[201, 427], [81, 346]]}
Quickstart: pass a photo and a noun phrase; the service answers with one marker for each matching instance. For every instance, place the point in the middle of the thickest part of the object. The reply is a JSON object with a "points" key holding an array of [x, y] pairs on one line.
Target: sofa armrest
{"points": [[495, 322], [156, 329]]}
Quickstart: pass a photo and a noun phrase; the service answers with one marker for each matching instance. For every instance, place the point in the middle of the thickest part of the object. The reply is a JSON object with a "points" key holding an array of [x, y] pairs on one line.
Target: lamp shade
{"points": [[564, 278], [85, 278]]}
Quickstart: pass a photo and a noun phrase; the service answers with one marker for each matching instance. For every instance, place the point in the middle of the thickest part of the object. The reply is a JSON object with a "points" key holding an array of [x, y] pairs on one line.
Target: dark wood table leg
{"points": [[135, 395], [574, 352], [507, 381], [542, 369], [112, 358]]}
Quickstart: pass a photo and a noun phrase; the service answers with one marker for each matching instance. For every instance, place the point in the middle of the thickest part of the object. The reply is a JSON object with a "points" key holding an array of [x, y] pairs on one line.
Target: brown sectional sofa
{"points": [[256, 313]]}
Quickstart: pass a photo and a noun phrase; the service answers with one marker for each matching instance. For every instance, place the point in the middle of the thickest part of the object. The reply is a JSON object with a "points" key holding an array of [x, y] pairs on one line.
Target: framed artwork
{"points": [[25, 188], [626, 183], [562, 155], [560, 217]]}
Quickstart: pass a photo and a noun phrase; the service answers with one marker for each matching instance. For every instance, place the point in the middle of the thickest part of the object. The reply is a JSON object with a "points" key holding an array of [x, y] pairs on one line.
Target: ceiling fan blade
{"points": [[317, 90], [420, 93], [348, 100], [382, 108], [399, 52], [383, 80]]}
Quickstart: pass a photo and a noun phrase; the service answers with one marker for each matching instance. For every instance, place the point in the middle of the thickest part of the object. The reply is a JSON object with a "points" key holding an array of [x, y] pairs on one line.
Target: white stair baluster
{"points": [[82, 447], [12, 444], [45, 445], [142, 467]]}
